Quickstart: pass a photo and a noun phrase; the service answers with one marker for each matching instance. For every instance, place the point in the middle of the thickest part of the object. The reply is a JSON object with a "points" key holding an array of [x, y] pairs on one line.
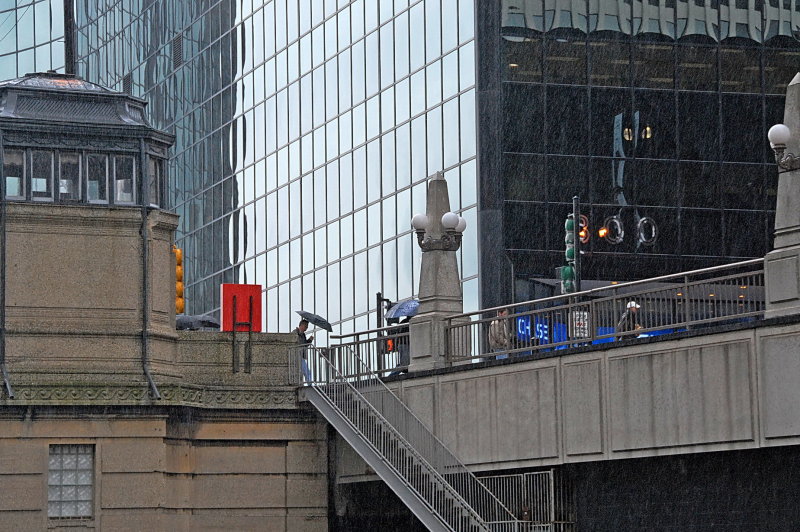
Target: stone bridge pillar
{"points": [[782, 265], [440, 284]]}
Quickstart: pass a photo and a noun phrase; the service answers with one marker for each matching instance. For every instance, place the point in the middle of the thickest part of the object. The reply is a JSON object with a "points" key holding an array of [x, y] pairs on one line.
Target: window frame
{"points": [[76, 180], [86, 178], [76, 499], [30, 177], [116, 200], [23, 178]]}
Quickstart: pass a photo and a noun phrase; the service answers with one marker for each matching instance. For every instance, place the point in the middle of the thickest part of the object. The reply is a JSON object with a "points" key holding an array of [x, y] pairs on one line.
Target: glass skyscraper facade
{"points": [[655, 113], [32, 36], [306, 130], [305, 134]]}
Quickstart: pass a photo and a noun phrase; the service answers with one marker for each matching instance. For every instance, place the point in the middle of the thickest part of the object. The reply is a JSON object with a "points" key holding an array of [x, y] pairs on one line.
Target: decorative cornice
{"points": [[38, 140], [228, 398]]}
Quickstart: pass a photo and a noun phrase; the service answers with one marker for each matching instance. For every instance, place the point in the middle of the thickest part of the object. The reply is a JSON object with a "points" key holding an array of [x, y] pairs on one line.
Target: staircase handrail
{"points": [[433, 451], [338, 378]]}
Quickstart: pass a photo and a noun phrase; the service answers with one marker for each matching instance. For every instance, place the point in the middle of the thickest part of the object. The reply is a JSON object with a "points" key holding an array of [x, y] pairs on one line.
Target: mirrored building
{"points": [[655, 113], [32, 36], [305, 131]]}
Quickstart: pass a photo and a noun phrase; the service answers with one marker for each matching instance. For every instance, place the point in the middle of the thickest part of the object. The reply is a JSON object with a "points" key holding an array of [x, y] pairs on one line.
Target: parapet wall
{"points": [[729, 390]]}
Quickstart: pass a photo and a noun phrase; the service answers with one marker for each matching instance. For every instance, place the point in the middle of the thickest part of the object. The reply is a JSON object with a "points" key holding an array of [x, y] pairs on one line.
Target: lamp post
{"points": [[782, 264], [778, 136], [453, 226], [439, 233]]}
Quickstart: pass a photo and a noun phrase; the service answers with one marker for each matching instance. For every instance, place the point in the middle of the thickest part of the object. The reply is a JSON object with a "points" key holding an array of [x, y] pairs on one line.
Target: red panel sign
{"points": [[248, 298]]}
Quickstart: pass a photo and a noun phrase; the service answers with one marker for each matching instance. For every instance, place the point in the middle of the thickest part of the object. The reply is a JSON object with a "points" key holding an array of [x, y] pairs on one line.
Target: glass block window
{"points": [[70, 481]]}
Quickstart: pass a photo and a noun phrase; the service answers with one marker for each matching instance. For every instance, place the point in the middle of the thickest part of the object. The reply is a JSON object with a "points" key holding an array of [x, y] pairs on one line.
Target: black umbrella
{"points": [[195, 323], [319, 321]]}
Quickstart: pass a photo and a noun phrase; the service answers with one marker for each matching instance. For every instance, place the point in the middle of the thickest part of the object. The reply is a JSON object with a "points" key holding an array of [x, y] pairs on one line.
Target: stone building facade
{"points": [[110, 419]]}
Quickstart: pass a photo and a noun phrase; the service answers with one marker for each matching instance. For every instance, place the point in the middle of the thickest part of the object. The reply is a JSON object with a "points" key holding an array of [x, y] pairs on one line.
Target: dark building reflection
{"points": [[647, 110]]}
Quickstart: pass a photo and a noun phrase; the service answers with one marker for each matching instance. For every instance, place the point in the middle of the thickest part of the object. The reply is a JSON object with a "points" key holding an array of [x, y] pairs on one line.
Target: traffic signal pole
{"points": [[576, 228]]}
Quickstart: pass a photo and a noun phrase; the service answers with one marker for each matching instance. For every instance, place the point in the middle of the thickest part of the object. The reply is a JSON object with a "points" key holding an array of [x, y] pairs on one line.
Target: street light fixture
{"points": [[450, 240], [779, 136]]}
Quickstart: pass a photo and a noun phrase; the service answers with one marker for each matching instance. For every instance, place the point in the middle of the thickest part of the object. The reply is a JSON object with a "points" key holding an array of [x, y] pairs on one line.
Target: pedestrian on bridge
{"points": [[629, 320], [500, 335]]}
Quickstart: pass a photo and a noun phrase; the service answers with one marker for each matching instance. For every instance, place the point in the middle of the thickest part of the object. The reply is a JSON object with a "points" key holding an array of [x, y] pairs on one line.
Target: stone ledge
{"points": [[284, 397]]}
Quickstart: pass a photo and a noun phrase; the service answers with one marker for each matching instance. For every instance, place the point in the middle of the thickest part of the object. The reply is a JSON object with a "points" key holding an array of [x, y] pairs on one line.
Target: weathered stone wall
{"points": [[220, 449], [74, 290], [171, 469]]}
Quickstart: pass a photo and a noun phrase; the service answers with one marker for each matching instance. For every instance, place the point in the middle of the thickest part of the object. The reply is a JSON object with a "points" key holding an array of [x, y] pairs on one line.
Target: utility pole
{"points": [[576, 228]]}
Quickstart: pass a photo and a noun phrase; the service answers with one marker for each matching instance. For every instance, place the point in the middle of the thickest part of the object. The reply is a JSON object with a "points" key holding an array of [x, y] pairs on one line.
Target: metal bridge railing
{"points": [[729, 293], [403, 440], [542, 500], [384, 351]]}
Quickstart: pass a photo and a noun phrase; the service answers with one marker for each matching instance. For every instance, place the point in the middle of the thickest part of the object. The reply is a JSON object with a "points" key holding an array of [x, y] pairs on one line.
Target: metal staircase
{"points": [[425, 475]]}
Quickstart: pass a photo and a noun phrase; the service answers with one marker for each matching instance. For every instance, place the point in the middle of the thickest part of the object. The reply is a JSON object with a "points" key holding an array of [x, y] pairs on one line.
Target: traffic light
{"points": [[583, 230], [568, 271], [180, 303]]}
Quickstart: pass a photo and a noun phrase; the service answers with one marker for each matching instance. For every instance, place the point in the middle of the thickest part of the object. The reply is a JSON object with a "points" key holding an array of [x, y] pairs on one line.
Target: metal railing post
{"points": [[687, 317]]}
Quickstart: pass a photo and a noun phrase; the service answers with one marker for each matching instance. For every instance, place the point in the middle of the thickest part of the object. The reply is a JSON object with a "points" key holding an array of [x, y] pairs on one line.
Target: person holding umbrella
{"points": [[300, 331], [302, 340]]}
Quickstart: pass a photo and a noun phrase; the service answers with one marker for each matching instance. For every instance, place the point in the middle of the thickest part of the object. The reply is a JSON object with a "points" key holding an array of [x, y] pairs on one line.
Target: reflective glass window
{"points": [[401, 47], [283, 214], [403, 155], [566, 177], [524, 178], [523, 116], [14, 170], [522, 59], [655, 124], [450, 133], [565, 129], [344, 80], [740, 69], [695, 142], [650, 182], [435, 140], [418, 93], [743, 187], [780, 66], [450, 75], [387, 54], [97, 178], [154, 180], [42, 170], [741, 137], [433, 30], [699, 184], [697, 67], [358, 63], [372, 66], [416, 26], [332, 173], [565, 59], [653, 65], [609, 61], [468, 126]]}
